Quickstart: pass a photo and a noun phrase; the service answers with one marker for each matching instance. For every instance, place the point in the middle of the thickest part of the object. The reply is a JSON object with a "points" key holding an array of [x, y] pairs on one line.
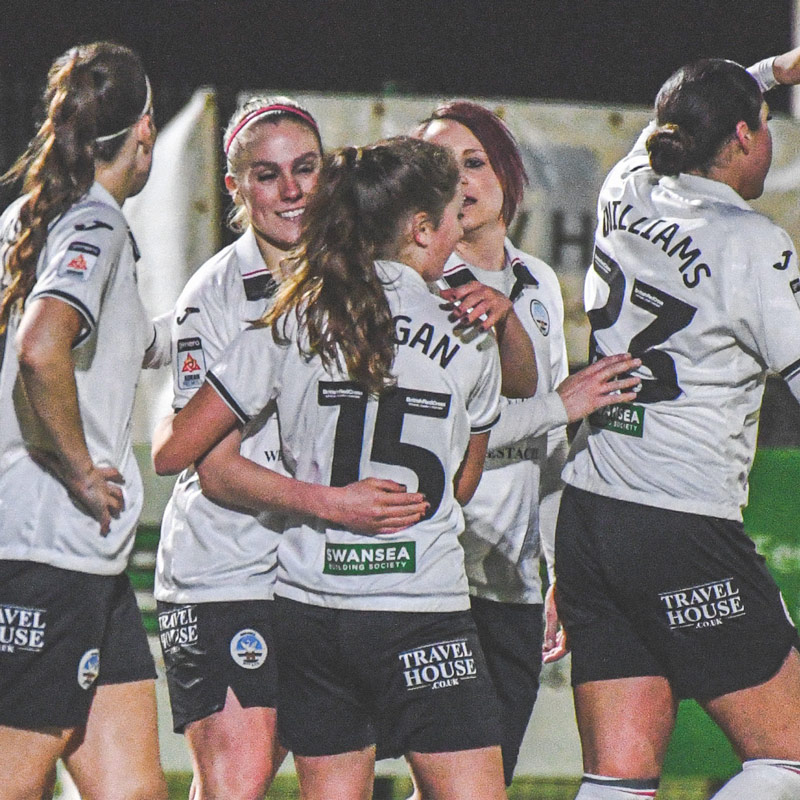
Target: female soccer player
{"points": [[374, 638], [76, 674], [214, 612], [514, 507], [661, 593]]}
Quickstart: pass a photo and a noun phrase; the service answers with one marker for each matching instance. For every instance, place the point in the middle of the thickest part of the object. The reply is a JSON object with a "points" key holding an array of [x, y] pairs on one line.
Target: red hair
{"points": [[498, 142]]}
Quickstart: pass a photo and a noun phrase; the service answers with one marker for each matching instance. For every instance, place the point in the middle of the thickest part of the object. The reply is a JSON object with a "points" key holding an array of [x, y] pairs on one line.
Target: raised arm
{"points": [[474, 300]]}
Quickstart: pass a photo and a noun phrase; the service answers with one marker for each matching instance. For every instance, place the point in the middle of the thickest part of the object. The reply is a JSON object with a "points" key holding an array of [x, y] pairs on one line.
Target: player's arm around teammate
{"points": [[76, 679], [708, 153], [224, 695], [515, 501], [340, 355]]}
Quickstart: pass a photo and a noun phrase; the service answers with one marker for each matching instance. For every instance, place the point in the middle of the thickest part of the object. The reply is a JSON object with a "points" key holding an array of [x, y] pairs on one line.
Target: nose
{"points": [[290, 188]]}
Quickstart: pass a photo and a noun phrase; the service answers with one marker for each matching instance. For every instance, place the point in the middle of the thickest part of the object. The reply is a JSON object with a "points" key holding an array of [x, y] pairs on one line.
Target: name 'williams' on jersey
{"points": [[704, 290]]}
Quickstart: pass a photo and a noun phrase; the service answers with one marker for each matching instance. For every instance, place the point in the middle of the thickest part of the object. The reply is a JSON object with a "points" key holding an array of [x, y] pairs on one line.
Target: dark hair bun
{"points": [[668, 146]]}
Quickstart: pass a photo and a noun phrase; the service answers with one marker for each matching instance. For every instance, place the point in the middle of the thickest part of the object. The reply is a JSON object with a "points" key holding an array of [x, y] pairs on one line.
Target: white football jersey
{"points": [[88, 262], [221, 299], [510, 512], [334, 433], [704, 290]]}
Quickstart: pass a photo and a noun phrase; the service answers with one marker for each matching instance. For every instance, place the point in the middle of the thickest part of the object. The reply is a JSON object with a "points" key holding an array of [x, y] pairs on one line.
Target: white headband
{"points": [[148, 99]]}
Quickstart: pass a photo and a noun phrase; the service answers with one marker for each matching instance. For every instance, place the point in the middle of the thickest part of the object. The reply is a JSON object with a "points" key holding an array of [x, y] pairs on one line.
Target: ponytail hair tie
{"points": [[259, 112]]}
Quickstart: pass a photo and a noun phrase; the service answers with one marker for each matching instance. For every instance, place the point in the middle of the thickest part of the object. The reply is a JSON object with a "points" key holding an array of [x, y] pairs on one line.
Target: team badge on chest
{"points": [[248, 649], [540, 317]]}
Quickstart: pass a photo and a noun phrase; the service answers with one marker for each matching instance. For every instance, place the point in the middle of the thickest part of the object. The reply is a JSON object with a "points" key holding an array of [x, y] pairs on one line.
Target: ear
{"points": [[422, 229], [145, 133], [743, 136], [231, 185]]}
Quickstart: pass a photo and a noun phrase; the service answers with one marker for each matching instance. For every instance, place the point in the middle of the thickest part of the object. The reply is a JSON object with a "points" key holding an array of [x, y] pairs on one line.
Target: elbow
{"points": [[166, 462], [210, 482], [521, 388]]}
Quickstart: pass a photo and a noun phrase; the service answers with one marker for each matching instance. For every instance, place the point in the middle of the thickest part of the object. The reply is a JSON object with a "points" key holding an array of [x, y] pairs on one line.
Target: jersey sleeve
{"points": [[159, 351], [533, 416], [82, 250], [483, 404], [246, 374], [199, 334], [773, 319], [636, 159]]}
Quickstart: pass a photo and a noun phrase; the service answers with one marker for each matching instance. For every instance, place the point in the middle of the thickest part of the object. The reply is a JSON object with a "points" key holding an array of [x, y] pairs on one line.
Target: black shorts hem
{"points": [[736, 686]]}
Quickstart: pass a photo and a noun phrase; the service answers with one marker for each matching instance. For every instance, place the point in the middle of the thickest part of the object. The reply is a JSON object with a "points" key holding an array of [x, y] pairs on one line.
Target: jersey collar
{"points": [[259, 284], [696, 189]]}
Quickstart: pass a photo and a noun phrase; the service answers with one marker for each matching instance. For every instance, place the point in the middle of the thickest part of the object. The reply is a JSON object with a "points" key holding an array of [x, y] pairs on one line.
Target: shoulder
{"points": [[747, 231], [215, 276]]}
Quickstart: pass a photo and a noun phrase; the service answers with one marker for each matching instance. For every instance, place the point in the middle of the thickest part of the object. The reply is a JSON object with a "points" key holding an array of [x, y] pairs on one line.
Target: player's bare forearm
{"points": [[184, 438], [517, 359], [44, 348]]}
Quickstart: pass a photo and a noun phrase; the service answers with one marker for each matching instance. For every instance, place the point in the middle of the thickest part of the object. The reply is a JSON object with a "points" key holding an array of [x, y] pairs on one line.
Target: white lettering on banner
{"points": [[438, 665], [703, 606], [21, 629]]}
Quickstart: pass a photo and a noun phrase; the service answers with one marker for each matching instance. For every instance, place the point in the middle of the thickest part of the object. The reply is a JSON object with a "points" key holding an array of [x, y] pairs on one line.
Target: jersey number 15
{"points": [[393, 405]]}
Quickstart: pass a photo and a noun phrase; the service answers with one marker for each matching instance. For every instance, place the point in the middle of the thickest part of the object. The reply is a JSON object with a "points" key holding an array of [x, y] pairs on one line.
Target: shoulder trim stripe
{"points": [[791, 370], [486, 427], [227, 397], [78, 306]]}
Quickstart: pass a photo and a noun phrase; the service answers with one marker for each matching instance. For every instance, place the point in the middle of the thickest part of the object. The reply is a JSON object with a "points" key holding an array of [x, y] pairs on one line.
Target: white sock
{"points": [[765, 779], [598, 787]]}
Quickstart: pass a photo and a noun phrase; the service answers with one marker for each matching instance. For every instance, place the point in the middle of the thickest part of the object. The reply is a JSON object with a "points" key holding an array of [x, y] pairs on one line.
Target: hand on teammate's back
{"points": [[600, 384]]}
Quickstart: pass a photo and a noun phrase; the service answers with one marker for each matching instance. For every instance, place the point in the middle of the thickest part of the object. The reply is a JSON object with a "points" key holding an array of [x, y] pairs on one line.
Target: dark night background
{"points": [[598, 51], [610, 51]]}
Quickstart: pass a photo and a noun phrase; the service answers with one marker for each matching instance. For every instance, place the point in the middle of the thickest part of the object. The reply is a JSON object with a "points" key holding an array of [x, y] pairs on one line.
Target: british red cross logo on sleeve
{"points": [[78, 263], [190, 364]]}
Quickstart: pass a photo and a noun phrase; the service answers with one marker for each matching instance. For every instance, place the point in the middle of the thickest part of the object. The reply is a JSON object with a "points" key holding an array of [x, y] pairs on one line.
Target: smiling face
{"points": [[483, 194], [276, 168]]}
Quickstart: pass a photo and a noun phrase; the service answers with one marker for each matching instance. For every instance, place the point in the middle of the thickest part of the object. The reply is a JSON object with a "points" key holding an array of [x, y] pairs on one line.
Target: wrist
{"points": [[764, 74]]}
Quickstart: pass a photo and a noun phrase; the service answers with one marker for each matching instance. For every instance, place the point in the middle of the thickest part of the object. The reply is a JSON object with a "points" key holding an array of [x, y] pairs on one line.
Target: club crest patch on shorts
{"points": [[21, 629], [438, 665], [191, 363], [540, 317], [248, 649], [89, 668], [705, 606]]}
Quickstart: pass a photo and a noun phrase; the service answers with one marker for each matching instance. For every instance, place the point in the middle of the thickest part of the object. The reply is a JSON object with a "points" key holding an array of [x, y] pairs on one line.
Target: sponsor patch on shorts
{"points": [[177, 627], [705, 606], [438, 665], [191, 363], [370, 559], [248, 649], [79, 259], [89, 668], [21, 629], [620, 418]]}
